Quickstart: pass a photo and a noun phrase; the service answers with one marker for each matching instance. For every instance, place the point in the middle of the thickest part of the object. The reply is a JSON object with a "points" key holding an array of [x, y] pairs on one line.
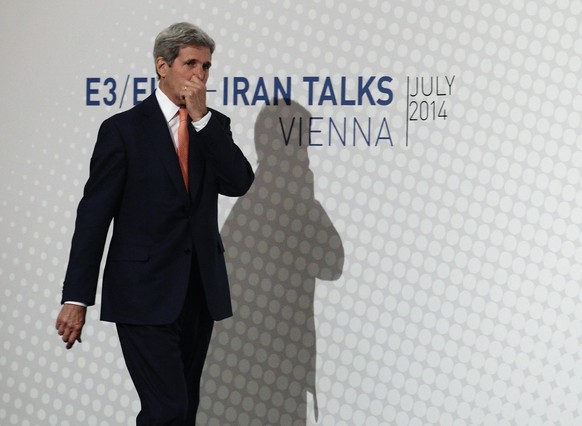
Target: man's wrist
{"points": [[200, 124], [70, 302]]}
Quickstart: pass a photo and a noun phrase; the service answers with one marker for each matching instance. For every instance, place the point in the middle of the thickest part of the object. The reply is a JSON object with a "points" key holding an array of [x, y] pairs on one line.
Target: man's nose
{"points": [[199, 72]]}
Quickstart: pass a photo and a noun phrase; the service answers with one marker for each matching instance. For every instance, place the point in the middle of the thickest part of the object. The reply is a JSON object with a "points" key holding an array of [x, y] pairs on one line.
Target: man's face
{"points": [[193, 62]]}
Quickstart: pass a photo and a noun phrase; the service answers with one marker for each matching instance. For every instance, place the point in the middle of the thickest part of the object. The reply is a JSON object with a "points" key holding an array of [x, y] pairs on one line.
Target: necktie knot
{"points": [[183, 112]]}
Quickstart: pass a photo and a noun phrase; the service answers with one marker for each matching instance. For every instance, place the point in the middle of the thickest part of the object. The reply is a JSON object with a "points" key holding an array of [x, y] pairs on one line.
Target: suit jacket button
{"points": [[188, 251]]}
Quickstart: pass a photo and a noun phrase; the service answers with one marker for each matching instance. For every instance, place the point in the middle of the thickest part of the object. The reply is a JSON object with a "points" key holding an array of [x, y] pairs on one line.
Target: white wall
{"points": [[435, 281]]}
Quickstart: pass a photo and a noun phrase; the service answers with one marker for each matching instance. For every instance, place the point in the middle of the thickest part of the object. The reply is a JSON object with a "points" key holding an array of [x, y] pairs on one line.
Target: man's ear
{"points": [[161, 66]]}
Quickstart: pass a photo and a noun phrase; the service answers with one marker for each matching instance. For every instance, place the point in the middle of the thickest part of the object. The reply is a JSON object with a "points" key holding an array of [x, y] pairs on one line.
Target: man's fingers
{"points": [[66, 336], [70, 323], [195, 86], [72, 338], [197, 80]]}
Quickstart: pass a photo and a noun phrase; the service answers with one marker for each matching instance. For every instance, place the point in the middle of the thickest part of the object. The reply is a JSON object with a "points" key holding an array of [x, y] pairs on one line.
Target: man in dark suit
{"points": [[165, 280]]}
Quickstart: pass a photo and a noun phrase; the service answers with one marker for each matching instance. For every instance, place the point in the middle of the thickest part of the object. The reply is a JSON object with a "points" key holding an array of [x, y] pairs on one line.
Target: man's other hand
{"points": [[70, 323]]}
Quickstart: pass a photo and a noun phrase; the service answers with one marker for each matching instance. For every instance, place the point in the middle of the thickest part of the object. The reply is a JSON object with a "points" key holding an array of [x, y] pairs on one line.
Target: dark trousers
{"points": [[165, 361]]}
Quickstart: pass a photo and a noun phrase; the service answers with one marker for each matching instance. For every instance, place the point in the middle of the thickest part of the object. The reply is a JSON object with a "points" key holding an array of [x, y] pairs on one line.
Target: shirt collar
{"points": [[169, 108]]}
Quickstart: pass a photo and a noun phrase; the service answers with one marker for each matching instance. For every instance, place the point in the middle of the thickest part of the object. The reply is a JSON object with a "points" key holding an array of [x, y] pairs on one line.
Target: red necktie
{"points": [[183, 144]]}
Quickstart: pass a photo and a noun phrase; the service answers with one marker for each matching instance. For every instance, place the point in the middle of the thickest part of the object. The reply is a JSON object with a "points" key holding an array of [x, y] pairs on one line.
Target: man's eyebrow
{"points": [[191, 60]]}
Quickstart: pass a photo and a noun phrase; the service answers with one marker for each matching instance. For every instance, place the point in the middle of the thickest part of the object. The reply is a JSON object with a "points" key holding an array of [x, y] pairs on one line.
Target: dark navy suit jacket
{"points": [[135, 180]]}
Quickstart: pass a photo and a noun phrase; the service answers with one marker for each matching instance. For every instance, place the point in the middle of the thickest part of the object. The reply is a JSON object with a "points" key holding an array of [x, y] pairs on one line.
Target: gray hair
{"points": [[169, 41]]}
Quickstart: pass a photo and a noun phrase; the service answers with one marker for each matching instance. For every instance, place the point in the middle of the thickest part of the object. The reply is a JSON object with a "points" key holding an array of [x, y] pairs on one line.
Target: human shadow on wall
{"points": [[279, 240]]}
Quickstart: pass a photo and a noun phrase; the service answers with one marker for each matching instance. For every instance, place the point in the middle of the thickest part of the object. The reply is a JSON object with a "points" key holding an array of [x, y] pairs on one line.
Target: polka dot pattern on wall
{"points": [[434, 283]]}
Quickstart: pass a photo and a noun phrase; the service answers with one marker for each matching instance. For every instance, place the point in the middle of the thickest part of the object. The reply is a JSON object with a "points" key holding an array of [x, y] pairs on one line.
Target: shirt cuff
{"points": [[201, 124], [75, 303]]}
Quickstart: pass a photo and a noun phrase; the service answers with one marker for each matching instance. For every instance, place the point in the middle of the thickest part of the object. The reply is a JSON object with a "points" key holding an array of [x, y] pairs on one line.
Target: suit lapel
{"points": [[195, 162], [157, 133]]}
